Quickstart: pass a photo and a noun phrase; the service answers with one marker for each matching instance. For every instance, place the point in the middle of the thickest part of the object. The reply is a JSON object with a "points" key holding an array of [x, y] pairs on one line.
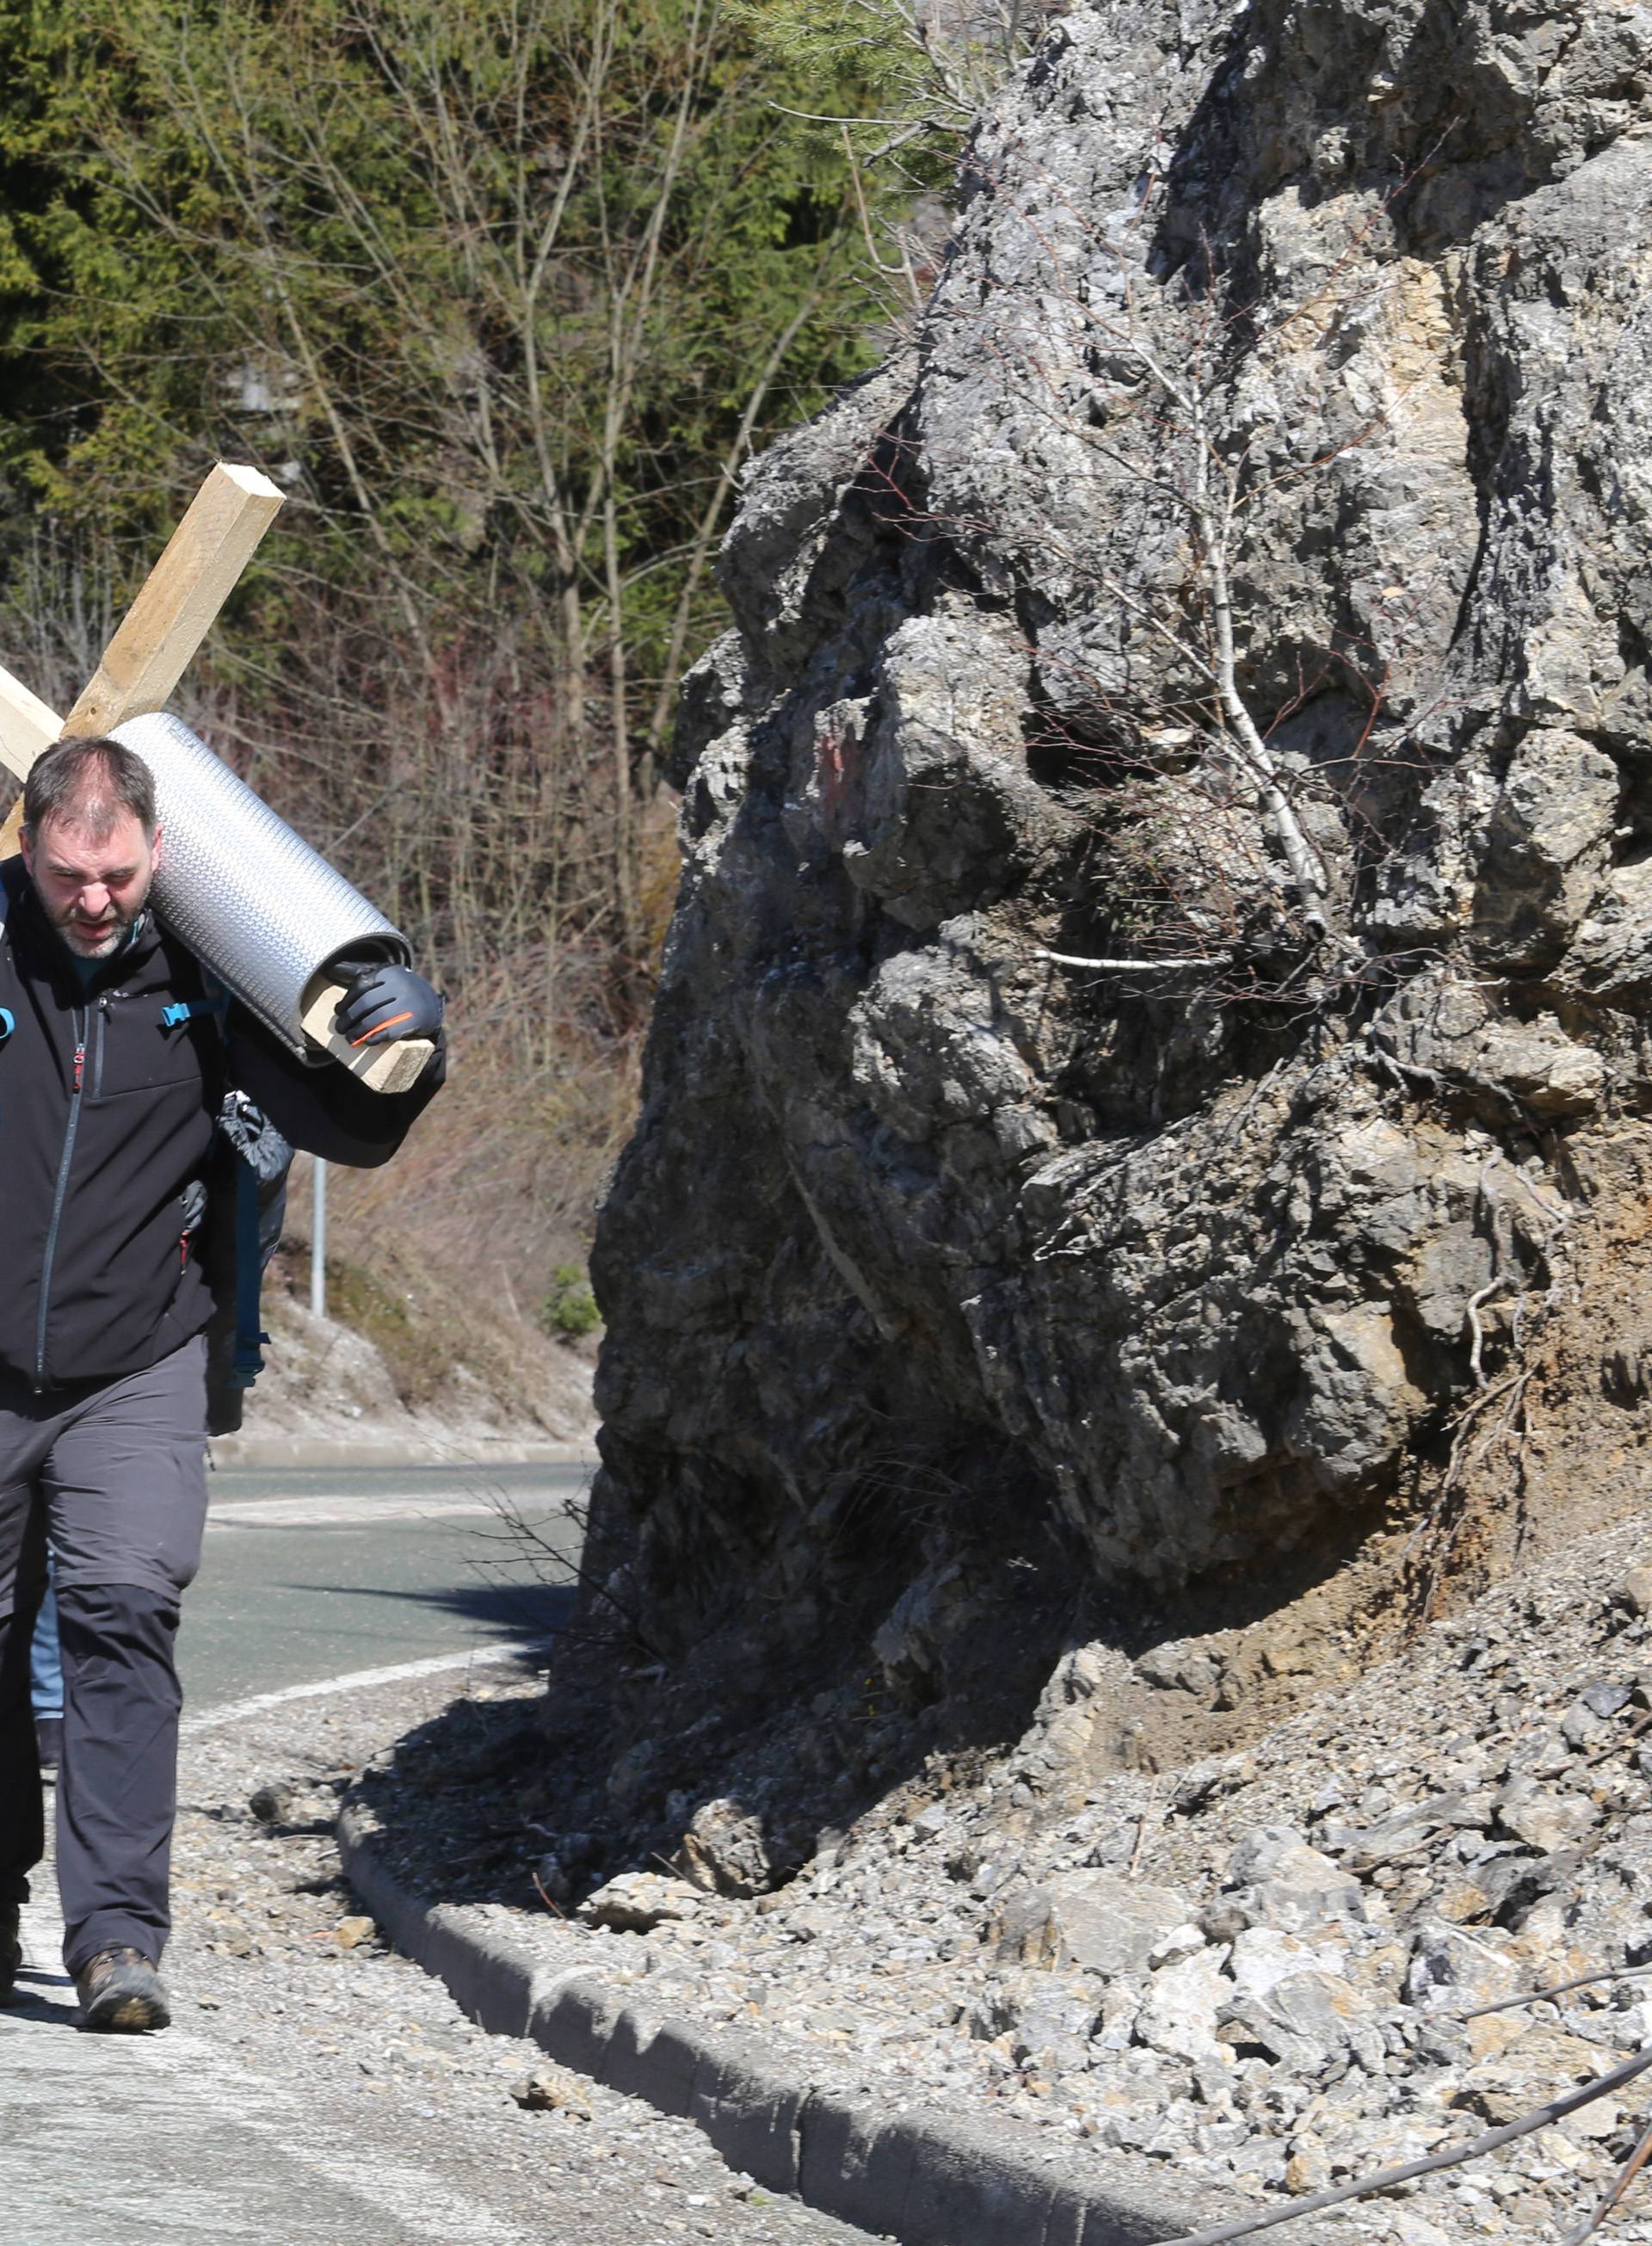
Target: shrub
{"points": [[569, 1311]]}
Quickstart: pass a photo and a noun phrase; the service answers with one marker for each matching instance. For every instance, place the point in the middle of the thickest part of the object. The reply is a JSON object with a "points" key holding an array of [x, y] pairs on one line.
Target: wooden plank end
{"points": [[394, 1067], [177, 603], [253, 482]]}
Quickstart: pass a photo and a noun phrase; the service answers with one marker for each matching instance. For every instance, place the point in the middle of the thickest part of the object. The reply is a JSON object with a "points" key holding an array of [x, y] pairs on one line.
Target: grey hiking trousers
{"points": [[115, 1472]]}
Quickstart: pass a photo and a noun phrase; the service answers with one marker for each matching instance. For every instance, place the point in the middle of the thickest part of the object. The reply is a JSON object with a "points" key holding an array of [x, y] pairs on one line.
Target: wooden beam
{"points": [[178, 599], [161, 632], [26, 727]]}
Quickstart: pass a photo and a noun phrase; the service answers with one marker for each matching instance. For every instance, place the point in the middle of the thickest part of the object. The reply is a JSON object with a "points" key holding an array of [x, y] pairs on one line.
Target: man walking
{"points": [[111, 1084]]}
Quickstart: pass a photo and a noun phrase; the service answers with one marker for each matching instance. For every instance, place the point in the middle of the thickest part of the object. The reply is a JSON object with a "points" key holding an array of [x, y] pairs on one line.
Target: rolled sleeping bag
{"points": [[256, 904]]}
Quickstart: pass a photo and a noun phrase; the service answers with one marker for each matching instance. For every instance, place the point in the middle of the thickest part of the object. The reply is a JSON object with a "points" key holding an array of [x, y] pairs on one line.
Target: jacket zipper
{"points": [[62, 1195], [97, 1064]]}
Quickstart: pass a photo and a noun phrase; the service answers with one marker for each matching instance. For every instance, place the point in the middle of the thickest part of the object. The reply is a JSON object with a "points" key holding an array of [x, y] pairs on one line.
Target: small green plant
{"points": [[569, 1311], [924, 71]]}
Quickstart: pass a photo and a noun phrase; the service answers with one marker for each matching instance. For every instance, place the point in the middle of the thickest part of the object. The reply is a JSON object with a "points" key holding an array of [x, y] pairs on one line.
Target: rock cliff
{"points": [[1150, 1056]]}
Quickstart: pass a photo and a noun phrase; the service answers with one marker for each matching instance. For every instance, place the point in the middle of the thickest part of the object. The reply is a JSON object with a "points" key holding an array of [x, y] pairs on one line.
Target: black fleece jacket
{"points": [[108, 1112]]}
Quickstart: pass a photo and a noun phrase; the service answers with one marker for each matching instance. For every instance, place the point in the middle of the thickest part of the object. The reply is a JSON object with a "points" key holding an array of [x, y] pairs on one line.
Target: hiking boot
{"points": [[121, 1993], [11, 1948]]}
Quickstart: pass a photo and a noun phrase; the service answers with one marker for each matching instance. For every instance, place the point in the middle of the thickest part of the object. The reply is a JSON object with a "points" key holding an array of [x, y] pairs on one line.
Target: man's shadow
{"points": [[30, 2000]]}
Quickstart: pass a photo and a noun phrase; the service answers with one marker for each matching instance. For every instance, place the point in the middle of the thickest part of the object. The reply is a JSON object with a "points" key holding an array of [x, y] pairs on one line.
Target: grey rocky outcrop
{"points": [[1327, 320]]}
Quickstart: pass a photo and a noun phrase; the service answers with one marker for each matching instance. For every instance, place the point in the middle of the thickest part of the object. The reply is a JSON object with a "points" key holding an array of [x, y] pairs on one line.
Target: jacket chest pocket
{"points": [[140, 1045]]}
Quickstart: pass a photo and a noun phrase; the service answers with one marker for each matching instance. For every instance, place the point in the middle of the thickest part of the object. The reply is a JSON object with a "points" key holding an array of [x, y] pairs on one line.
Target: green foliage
{"points": [[569, 1311], [927, 67]]}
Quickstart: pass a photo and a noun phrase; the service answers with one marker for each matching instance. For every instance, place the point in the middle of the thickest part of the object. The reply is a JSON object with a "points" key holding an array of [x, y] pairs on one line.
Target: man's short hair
{"points": [[89, 783]]}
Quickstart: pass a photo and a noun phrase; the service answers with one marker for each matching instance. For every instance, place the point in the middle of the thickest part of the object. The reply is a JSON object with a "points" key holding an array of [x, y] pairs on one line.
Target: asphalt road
{"points": [[322, 1572]]}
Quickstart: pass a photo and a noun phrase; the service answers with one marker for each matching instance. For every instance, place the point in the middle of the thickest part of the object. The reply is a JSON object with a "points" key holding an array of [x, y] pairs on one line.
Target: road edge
{"points": [[918, 2176], [278, 1453]]}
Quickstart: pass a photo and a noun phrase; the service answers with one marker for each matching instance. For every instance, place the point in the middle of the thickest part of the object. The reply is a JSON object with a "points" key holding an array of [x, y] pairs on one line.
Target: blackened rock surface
{"points": [[1200, 1262]]}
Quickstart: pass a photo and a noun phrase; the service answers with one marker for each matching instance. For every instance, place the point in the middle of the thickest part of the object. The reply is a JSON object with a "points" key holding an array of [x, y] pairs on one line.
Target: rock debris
{"points": [[1267, 1970]]}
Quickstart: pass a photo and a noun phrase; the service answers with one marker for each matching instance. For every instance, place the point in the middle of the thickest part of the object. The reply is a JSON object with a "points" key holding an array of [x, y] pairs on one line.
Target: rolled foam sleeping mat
{"points": [[255, 903]]}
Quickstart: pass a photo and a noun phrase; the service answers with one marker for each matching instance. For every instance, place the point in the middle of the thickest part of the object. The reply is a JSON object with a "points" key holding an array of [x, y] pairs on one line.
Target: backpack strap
{"points": [[259, 1159], [249, 1277], [190, 1010], [8, 1020], [12, 871]]}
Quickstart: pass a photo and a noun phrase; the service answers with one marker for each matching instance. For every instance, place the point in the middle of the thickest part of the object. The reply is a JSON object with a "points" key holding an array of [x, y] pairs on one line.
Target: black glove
{"points": [[382, 1005]]}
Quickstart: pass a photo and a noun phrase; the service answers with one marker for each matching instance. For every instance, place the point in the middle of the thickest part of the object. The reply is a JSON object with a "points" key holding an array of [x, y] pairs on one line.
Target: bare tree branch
{"points": [[1615, 2190], [1491, 2141], [1561, 1989], [1127, 966]]}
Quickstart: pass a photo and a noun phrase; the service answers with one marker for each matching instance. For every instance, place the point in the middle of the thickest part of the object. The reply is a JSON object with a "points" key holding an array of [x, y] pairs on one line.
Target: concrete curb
{"points": [[917, 2176]]}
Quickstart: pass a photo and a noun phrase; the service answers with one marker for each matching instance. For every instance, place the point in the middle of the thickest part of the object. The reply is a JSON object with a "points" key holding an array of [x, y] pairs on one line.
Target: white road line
{"points": [[345, 1512], [361, 1680]]}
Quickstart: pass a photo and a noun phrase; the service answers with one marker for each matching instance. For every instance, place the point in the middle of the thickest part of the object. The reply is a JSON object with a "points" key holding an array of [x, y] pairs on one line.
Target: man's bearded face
{"points": [[93, 877]]}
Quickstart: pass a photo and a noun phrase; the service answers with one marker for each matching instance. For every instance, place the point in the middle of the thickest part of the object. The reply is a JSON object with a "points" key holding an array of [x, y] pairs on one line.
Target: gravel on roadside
{"points": [[273, 1961], [1257, 1970]]}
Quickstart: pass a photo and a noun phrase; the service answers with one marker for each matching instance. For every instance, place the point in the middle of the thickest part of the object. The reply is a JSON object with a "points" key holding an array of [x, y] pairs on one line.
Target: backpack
{"points": [[234, 1218]]}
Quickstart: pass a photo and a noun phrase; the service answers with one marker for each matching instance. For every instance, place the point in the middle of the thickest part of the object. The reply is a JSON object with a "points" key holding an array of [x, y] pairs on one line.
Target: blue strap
{"points": [[249, 1274], [8, 1023], [186, 1010]]}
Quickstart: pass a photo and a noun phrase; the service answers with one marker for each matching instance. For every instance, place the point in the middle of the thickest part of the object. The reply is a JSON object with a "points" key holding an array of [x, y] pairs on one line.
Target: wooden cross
{"points": [[148, 654]]}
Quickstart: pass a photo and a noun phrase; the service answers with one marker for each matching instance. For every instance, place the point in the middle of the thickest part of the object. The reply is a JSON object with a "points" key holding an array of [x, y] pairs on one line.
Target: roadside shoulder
{"points": [[903, 2170]]}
